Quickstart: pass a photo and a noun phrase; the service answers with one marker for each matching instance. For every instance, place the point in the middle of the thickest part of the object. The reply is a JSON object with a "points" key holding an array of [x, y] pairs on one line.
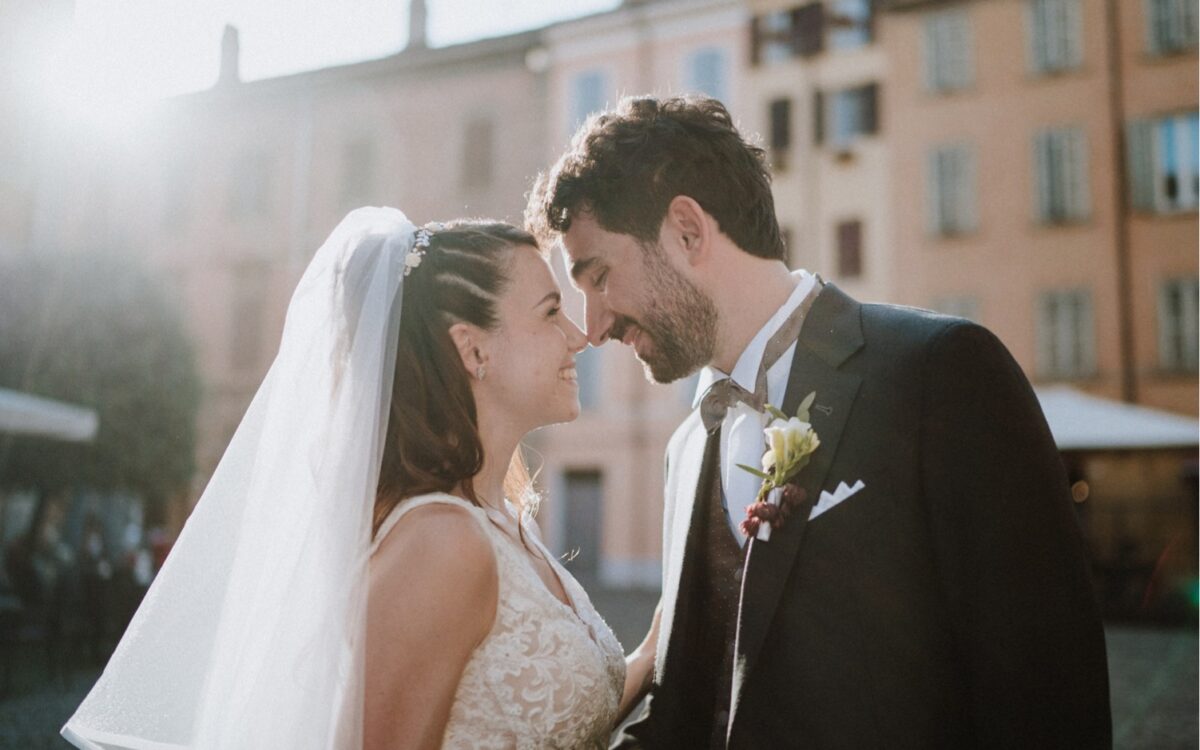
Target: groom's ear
{"points": [[467, 339], [688, 229]]}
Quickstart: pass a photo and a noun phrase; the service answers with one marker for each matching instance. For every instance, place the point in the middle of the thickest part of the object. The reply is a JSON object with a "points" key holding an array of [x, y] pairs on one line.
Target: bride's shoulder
{"points": [[435, 569], [438, 532]]}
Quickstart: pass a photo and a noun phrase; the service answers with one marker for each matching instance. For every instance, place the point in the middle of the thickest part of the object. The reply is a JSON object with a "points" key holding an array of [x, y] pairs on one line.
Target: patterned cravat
{"points": [[723, 394]]}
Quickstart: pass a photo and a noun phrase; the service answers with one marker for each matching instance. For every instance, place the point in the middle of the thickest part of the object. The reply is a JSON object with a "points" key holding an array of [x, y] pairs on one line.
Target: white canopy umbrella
{"points": [[1083, 422], [25, 414]]}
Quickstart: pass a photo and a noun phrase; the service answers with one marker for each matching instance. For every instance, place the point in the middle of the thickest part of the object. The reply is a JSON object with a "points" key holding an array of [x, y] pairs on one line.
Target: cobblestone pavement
{"points": [[1153, 674]]}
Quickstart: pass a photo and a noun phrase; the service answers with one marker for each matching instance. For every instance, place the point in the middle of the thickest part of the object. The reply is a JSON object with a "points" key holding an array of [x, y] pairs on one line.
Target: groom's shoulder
{"points": [[905, 326], [902, 338]]}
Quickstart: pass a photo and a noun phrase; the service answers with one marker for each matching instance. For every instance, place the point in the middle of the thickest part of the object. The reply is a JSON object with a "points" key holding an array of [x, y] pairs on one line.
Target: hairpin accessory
{"points": [[417, 254]]}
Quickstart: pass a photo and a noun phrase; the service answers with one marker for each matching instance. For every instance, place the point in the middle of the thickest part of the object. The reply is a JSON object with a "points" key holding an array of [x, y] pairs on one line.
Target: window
{"points": [[850, 24], [849, 249], [948, 65], [1060, 163], [248, 309], [707, 73], [1164, 166], [960, 306], [1170, 26], [784, 34], [1177, 325], [951, 190], [781, 133], [1055, 39], [847, 114], [588, 94], [1066, 341], [251, 183], [587, 365], [477, 154], [358, 172]]}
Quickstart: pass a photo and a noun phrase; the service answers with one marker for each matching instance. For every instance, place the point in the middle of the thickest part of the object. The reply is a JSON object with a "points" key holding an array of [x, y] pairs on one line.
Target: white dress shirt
{"points": [[742, 440]]}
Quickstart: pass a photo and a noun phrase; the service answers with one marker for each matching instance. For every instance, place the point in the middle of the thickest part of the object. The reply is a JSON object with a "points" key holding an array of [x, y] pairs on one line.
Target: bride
{"points": [[363, 570]]}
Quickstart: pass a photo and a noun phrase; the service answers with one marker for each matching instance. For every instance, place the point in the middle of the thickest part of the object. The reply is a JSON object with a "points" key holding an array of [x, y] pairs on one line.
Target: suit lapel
{"points": [[832, 333], [688, 463]]}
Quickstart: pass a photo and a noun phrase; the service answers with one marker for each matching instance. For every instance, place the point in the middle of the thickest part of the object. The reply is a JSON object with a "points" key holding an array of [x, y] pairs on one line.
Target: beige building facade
{"points": [[940, 154], [1044, 166], [816, 78]]}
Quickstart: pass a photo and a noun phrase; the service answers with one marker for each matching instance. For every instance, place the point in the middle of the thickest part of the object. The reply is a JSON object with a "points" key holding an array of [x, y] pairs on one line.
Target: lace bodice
{"points": [[547, 675]]}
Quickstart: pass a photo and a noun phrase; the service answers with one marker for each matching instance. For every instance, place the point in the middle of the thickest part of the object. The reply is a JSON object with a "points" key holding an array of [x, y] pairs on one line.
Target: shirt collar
{"points": [[745, 370]]}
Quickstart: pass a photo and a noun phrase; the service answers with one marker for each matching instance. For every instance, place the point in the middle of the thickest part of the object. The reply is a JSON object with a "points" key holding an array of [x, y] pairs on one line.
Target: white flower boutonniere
{"points": [[791, 441]]}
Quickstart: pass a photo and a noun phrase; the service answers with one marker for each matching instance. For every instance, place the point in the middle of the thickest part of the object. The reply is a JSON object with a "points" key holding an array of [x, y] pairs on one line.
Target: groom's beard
{"points": [[680, 322]]}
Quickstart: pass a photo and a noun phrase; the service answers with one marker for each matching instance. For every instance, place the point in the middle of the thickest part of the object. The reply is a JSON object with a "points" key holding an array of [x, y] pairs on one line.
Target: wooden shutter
{"points": [[808, 29], [781, 123], [1079, 200], [849, 245], [818, 117], [1042, 170], [1139, 153], [869, 97]]}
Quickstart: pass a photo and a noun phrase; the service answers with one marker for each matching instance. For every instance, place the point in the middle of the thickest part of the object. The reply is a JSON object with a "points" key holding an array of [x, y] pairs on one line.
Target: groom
{"points": [[929, 587]]}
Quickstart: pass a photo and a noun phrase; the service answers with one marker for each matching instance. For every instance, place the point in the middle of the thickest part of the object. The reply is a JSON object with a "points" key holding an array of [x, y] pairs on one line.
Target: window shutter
{"points": [[869, 108], [1168, 327], [1073, 33], [781, 123], [931, 53], [1189, 321], [1188, 13], [849, 244], [933, 192], [1079, 201], [1087, 333], [1154, 11], [1139, 148], [961, 69], [1045, 334], [1043, 206], [1034, 36], [818, 117], [808, 29], [968, 208]]}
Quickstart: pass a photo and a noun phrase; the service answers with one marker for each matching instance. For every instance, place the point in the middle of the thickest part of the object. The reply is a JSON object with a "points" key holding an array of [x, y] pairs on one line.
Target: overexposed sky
{"points": [[123, 50]]}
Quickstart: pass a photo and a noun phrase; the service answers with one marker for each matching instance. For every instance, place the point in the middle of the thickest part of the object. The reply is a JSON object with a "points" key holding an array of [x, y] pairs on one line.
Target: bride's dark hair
{"points": [[432, 442]]}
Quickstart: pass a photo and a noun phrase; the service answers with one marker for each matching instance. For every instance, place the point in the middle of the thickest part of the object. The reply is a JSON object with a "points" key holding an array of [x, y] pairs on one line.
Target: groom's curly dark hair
{"points": [[625, 166]]}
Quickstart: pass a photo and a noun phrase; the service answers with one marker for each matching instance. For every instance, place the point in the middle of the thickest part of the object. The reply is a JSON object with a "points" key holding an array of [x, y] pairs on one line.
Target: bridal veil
{"points": [[252, 634]]}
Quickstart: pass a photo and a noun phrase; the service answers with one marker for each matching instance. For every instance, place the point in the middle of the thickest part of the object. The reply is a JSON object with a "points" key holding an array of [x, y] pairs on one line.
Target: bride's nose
{"points": [[576, 339]]}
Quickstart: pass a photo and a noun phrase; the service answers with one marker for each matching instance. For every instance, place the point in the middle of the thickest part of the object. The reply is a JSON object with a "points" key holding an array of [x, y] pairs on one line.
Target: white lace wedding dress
{"points": [[547, 675]]}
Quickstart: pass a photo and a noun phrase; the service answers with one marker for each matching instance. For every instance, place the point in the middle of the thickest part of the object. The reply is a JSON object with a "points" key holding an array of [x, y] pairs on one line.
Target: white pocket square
{"points": [[839, 495]]}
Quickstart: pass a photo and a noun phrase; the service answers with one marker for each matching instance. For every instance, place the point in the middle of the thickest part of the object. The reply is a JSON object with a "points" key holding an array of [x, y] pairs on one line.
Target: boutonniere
{"points": [[791, 441]]}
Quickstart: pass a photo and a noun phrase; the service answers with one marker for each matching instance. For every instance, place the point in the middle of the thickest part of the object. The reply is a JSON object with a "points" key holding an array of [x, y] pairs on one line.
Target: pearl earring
{"points": [[480, 372]]}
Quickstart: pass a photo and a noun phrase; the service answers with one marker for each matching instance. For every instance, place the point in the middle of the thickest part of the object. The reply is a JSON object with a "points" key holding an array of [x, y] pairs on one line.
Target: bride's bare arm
{"points": [[639, 668], [432, 600]]}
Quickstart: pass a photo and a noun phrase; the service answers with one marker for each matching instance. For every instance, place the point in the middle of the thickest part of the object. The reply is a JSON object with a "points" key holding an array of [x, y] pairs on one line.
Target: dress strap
{"points": [[412, 503]]}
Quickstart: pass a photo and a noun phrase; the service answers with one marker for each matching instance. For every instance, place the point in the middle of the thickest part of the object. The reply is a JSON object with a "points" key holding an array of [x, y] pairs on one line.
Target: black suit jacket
{"points": [[947, 604]]}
